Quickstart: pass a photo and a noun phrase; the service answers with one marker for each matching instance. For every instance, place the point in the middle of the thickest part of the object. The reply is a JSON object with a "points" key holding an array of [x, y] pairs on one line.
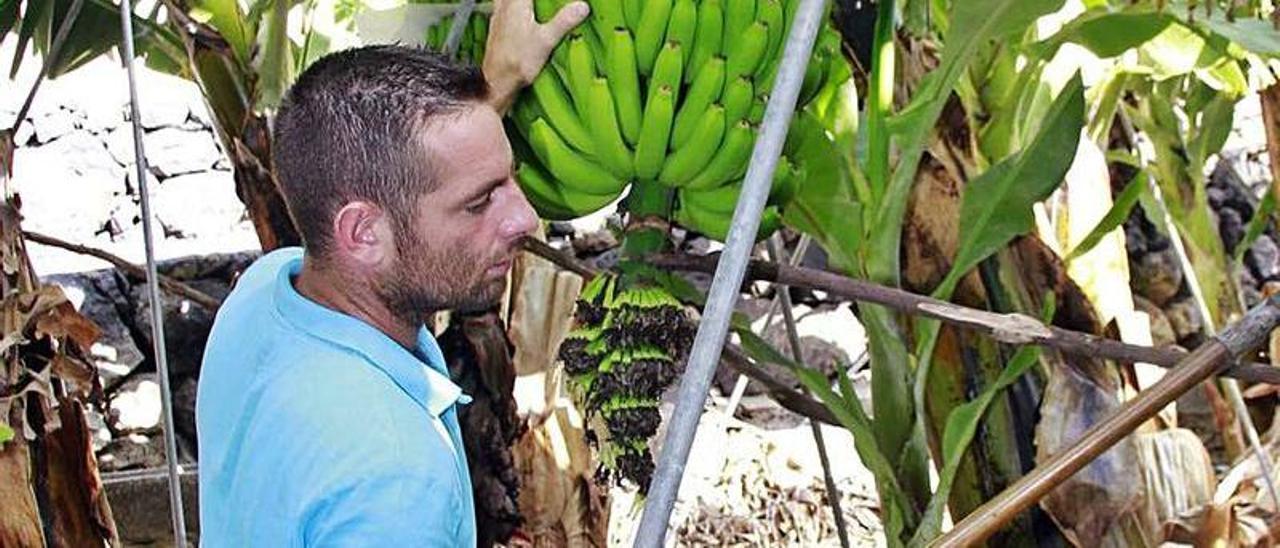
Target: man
{"points": [[325, 413]]}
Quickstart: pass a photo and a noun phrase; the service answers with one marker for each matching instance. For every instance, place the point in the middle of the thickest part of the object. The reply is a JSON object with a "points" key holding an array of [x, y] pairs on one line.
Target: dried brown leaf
{"points": [[63, 322]]}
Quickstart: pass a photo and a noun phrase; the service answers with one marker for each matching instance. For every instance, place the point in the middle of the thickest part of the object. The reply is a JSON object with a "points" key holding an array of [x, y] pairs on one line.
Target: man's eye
{"points": [[480, 205]]}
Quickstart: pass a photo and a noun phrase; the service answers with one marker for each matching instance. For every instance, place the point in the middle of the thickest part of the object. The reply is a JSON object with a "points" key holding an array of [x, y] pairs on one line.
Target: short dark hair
{"points": [[349, 129]]}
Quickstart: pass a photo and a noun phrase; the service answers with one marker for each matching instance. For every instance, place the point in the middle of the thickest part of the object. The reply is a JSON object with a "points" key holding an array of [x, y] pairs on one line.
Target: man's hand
{"points": [[518, 46]]}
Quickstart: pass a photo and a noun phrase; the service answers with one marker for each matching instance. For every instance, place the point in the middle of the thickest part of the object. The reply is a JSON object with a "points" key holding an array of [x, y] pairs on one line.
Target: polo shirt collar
{"points": [[428, 384]]}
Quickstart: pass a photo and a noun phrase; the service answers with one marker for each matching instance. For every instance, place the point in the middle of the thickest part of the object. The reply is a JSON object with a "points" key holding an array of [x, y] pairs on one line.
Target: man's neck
{"points": [[355, 298]]}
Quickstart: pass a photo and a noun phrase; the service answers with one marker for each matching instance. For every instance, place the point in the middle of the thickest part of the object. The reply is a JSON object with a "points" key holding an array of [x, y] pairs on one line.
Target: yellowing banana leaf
{"points": [[1115, 216], [1179, 50]]}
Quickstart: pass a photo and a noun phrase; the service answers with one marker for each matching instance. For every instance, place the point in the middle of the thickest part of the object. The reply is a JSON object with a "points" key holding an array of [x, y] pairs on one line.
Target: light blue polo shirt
{"points": [[316, 429]]}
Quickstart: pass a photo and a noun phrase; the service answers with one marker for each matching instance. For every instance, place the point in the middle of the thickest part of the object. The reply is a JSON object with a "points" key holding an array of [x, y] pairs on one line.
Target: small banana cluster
{"points": [[471, 48], [622, 354], [671, 91]]}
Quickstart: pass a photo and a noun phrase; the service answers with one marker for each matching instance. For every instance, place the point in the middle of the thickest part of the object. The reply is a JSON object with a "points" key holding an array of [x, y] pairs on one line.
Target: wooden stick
{"points": [[1206, 361], [168, 284], [1007, 328]]}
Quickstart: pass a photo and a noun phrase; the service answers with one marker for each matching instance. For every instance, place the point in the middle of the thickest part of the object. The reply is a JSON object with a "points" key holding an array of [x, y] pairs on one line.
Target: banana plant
{"points": [[1015, 124]]}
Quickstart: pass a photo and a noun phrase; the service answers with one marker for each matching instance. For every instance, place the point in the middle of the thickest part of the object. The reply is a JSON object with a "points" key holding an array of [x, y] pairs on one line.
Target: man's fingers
{"points": [[565, 20]]}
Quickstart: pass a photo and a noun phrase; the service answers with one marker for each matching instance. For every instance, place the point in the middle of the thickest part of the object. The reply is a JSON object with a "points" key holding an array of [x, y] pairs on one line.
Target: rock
{"points": [[1157, 276], [1162, 333], [84, 154], [187, 328], [172, 151], [594, 243], [1217, 196], [1230, 228], [163, 112], [136, 405], [1263, 259], [132, 452], [120, 144], [199, 204], [560, 229], [1184, 318], [100, 121], [53, 125]]}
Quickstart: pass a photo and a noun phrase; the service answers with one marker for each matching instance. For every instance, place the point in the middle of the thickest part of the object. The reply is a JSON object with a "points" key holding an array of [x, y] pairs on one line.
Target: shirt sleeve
{"points": [[389, 508]]}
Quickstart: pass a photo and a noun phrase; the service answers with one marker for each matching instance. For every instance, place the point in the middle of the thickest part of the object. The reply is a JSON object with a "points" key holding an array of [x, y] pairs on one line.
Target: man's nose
{"points": [[522, 220]]}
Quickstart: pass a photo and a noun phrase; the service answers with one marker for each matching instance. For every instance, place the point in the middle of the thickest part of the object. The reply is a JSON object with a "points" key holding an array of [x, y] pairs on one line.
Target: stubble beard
{"points": [[424, 281]]}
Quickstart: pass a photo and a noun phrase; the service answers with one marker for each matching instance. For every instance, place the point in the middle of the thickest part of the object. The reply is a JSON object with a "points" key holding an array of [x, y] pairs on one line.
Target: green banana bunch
{"points": [[666, 91], [621, 356], [471, 48]]}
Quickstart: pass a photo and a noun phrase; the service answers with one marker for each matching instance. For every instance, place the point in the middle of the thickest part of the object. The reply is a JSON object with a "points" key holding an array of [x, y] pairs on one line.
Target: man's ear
{"points": [[362, 234]]}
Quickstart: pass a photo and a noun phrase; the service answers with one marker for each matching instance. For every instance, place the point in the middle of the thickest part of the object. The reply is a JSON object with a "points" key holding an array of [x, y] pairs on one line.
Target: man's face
{"points": [[462, 237]]}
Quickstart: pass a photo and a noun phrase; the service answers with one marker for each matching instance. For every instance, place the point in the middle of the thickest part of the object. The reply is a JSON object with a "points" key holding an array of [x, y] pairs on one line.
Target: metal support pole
{"points": [[1210, 358], [153, 287], [709, 342], [460, 20], [793, 336]]}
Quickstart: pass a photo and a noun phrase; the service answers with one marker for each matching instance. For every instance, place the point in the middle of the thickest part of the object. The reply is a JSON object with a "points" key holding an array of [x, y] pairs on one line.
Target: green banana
{"points": [[650, 33], [555, 202], [728, 160], [668, 68], [624, 82], [682, 25], [786, 182], [757, 109], [738, 15], [683, 164], [770, 12], [720, 200], [745, 58], [706, 40], [607, 15], [581, 72], [545, 10], [705, 89], [524, 113], [569, 167], [631, 10], [559, 109], [651, 150], [814, 75], [603, 123], [738, 97], [716, 225]]}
